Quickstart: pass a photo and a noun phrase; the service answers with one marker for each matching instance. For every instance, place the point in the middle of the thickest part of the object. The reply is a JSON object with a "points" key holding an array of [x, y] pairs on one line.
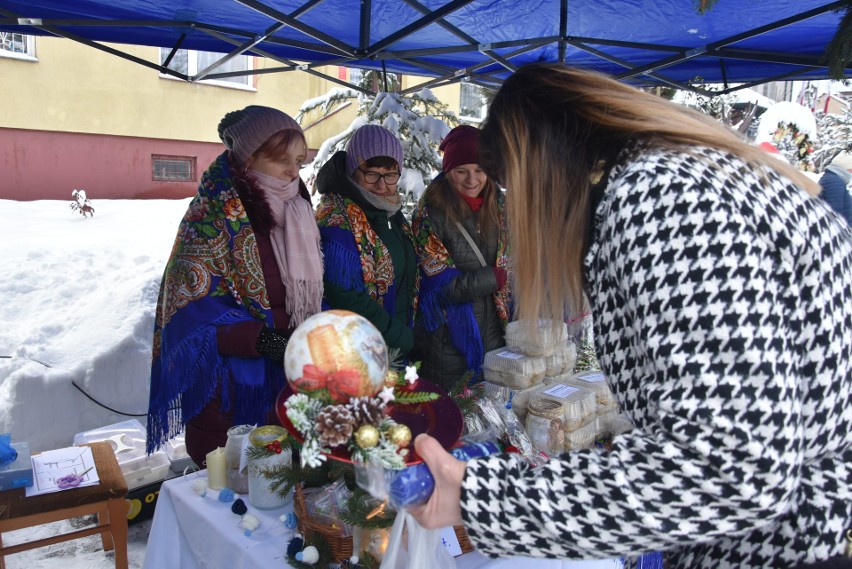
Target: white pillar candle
{"points": [[216, 469]]}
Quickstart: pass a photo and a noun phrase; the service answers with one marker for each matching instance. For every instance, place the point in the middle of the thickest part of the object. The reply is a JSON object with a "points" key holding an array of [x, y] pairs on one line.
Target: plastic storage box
{"points": [[562, 360], [578, 404], [512, 369], [128, 443], [584, 437], [541, 340], [179, 459], [18, 473], [594, 381]]}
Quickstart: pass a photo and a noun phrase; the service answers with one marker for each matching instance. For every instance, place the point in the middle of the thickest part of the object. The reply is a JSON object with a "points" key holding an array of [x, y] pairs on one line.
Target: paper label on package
{"points": [[451, 541], [594, 378], [560, 390], [510, 355]]}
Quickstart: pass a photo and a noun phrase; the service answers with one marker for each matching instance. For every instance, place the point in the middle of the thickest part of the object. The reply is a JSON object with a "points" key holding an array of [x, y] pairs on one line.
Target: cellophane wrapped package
{"points": [[540, 339], [506, 367]]}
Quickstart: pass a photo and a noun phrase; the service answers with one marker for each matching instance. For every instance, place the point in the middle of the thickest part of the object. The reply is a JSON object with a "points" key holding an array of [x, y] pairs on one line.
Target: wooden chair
{"points": [[107, 500]]}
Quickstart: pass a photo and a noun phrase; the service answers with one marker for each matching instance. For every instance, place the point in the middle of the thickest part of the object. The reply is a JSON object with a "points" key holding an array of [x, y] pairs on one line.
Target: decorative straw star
{"points": [[386, 395], [411, 374]]}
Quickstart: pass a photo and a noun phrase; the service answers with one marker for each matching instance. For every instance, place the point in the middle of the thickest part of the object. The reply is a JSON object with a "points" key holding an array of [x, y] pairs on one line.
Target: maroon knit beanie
{"points": [[460, 147]]}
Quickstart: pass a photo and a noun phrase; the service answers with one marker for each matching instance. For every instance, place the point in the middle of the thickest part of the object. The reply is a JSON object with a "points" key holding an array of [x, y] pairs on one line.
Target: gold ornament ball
{"points": [[391, 378], [367, 436], [400, 435]]}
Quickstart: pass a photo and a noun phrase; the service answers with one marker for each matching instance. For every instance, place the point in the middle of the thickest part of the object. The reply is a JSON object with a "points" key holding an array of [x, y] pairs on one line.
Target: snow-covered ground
{"points": [[78, 308]]}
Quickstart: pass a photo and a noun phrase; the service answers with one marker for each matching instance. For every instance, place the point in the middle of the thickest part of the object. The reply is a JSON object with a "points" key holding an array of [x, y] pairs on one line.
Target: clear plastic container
{"points": [[595, 381], [578, 404], [540, 340], [562, 360], [584, 437], [512, 369], [520, 398]]}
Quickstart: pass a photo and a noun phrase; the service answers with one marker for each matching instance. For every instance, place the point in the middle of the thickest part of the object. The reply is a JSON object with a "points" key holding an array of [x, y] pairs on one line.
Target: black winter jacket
{"points": [[442, 363]]}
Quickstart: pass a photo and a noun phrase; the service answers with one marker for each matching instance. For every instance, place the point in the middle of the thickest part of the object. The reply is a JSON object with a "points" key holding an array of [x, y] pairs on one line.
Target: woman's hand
{"points": [[444, 506]]}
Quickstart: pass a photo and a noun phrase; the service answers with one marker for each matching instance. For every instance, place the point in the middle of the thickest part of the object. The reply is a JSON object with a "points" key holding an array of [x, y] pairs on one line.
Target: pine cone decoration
{"points": [[367, 411], [335, 424]]}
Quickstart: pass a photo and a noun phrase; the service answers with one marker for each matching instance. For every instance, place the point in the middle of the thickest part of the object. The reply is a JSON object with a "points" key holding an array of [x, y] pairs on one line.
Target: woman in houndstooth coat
{"points": [[721, 293]]}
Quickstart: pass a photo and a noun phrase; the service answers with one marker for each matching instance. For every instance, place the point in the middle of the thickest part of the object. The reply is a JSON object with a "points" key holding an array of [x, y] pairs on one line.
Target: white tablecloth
{"points": [[191, 532]]}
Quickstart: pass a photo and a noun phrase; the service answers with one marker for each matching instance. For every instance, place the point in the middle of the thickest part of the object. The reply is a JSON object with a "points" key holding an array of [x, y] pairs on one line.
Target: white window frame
{"points": [[243, 82], [29, 52], [482, 110]]}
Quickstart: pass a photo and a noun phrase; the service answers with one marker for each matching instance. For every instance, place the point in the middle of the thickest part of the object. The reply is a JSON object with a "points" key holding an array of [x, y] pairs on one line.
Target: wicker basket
{"points": [[340, 546]]}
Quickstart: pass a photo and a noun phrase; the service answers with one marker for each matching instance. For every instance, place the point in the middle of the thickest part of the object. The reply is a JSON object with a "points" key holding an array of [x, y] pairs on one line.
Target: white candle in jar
{"points": [[216, 469]]}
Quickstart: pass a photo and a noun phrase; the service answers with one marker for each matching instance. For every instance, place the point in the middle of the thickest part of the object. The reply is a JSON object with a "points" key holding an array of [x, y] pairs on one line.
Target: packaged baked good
{"points": [[578, 404], [540, 339], [595, 381], [512, 369], [561, 360], [584, 437]]}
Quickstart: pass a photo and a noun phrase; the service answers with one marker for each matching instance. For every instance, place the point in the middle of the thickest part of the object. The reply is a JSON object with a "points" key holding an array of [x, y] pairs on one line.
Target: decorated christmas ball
{"points": [[338, 351]]}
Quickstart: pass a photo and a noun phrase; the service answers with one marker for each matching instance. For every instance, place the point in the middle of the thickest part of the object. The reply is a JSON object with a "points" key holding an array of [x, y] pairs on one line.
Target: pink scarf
{"points": [[296, 244]]}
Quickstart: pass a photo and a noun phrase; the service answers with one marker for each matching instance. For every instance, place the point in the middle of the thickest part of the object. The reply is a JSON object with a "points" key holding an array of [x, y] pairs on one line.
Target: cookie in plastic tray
{"points": [[578, 404], [584, 437], [596, 382], [518, 371], [541, 340], [520, 398], [562, 360]]}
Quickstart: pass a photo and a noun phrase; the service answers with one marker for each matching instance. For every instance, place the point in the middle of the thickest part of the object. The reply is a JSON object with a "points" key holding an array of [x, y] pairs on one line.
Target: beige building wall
{"points": [[76, 88], [80, 117]]}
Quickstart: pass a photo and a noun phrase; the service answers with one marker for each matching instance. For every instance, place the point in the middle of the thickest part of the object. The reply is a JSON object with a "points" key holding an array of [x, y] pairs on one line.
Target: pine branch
{"points": [[360, 505], [413, 397], [839, 51]]}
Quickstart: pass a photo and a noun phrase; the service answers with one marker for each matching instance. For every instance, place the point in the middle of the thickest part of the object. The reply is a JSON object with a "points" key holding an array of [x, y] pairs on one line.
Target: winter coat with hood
{"points": [[834, 191], [356, 240]]}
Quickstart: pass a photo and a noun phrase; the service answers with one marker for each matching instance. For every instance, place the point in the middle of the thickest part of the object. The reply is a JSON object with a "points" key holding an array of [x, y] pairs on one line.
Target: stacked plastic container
{"points": [[511, 373], [578, 412]]}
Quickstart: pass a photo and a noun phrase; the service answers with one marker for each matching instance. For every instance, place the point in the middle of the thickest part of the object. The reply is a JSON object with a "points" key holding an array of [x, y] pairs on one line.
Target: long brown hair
{"points": [[441, 195], [548, 129]]}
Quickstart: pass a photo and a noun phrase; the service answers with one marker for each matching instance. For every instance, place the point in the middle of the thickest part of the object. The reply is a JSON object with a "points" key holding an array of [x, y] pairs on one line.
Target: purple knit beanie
{"points": [[244, 131], [370, 141]]}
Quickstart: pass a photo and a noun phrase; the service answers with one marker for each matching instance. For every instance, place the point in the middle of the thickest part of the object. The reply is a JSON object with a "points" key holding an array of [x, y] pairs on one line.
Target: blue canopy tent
{"points": [[660, 42]]}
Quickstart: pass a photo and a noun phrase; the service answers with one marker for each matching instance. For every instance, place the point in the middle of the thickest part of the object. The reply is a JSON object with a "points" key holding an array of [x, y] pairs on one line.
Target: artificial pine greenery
{"points": [[587, 359]]}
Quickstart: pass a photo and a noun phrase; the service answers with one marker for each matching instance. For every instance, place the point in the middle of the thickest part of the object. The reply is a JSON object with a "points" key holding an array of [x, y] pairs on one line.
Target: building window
{"points": [[173, 168], [473, 103], [190, 62], [17, 45]]}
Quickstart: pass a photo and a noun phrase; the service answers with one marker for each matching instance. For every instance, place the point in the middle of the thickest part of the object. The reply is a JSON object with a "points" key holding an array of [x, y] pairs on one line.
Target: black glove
{"points": [[271, 343]]}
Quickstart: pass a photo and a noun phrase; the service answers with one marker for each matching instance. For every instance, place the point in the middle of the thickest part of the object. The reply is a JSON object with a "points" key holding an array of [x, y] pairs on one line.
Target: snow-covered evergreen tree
{"points": [[419, 120], [835, 136]]}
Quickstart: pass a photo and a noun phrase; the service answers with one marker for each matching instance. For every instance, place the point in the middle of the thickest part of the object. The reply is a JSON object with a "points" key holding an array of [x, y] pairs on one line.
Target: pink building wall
{"points": [[43, 165]]}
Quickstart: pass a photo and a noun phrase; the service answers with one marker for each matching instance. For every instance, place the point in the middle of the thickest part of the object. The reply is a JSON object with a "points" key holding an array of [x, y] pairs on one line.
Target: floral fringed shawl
{"points": [[364, 264], [438, 270], [213, 277]]}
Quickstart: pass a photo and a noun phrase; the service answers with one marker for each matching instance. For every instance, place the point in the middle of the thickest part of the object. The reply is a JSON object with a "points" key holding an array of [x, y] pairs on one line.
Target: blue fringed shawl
{"points": [[213, 278], [437, 272]]}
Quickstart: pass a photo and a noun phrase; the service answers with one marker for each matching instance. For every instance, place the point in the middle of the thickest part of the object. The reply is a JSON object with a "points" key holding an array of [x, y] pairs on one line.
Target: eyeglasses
{"points": [[391, 178]]}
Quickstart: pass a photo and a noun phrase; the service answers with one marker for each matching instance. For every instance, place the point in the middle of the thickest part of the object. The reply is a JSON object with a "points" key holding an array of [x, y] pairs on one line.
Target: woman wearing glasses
{"points": [[461, 248], [369, 258]]}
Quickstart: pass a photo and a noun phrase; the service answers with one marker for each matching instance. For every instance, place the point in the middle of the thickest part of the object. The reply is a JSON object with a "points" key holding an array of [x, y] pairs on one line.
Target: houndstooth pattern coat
{"points": [[722, 300]]}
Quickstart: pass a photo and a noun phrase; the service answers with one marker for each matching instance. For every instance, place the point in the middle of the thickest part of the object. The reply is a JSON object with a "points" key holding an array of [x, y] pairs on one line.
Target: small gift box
{"points": [[19, 473]]}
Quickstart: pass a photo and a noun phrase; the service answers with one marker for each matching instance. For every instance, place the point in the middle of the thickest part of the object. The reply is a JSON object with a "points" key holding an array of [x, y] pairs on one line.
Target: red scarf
{"points": [[474, 203]]}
